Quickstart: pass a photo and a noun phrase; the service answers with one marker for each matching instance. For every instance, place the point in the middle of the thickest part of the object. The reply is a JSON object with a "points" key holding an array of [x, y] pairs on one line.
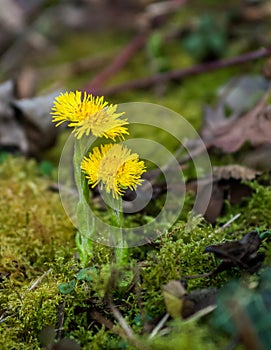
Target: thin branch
{"points": [[124, 325], [98, 317], [177, 74], [126, 331], [228, 223], [37, 282], [6, 313], [152, 12], [160, 324], [61, 318], [118, 63], [131, 337]]}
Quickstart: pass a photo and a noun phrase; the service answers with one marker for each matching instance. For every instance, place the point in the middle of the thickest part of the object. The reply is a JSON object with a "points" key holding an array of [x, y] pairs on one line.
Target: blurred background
{"points": [[178, 53]]}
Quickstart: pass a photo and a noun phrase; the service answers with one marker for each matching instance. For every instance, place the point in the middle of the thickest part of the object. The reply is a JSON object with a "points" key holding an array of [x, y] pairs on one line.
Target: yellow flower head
{"points": [[114, 167], [89, 114]]}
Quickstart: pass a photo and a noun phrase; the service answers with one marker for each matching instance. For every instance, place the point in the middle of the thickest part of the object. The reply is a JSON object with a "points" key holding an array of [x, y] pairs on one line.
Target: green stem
{"points": [[115, 208], [85, 221]]}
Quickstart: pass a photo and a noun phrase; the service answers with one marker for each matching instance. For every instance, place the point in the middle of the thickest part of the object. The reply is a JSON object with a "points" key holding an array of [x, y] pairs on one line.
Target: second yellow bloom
{"points": [[114, 167]]}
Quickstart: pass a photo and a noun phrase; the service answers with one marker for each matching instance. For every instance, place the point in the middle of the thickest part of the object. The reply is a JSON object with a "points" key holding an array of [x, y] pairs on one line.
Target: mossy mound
{"points": [[38, 255]]}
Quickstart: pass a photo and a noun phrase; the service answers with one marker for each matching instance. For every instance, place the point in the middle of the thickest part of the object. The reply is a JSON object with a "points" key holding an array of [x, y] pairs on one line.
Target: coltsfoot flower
{"points": [[89, 114], [114, 167]]}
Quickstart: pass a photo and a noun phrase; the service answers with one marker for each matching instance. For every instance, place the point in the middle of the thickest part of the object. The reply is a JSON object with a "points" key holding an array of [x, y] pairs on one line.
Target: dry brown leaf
{"points": [[229, 134], [242, 253], [234, 171], [226, 184], [12, 136], [25, 125]]}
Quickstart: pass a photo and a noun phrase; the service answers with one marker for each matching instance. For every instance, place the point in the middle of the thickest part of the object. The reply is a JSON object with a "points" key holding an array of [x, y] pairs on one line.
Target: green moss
{"points": [[37, 237], [34, 223], [179, 254]]}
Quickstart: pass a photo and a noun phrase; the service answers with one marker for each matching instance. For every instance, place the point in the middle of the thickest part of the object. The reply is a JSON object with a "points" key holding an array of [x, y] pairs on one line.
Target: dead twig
{"points": [[160, 324], [7, 313], [152, 12], [61, 318], [124, 325], [98, 317], [178, 74], [228, 223], [118, 63], [131, 337], [37, 282], [125, 331]]}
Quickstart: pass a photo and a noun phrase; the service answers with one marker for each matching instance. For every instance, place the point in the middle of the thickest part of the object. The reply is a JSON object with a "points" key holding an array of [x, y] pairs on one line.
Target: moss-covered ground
{"points": [[37, 245], [38, 254]]}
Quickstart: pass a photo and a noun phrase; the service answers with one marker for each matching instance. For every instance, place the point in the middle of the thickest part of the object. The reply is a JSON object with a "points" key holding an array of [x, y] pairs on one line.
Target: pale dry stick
{"points": [[5, 314], [192, 318], [162, 8], [228, 223], [124, 325], [201, 313], [37, 282], [127, 329], [159, 326]]}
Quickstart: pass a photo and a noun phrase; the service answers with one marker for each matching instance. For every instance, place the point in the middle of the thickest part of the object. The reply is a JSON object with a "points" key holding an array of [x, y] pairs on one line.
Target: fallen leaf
{"points": [[12, 136], [226, 185], [241, 253], [25, 124], [241, 93], [230, 133], [215, 121], [34, 115], [234, 171], [215, 204]]}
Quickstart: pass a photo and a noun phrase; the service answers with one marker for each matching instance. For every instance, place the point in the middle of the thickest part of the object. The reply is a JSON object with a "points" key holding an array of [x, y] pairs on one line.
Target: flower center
{"points": [[109, 168]]}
